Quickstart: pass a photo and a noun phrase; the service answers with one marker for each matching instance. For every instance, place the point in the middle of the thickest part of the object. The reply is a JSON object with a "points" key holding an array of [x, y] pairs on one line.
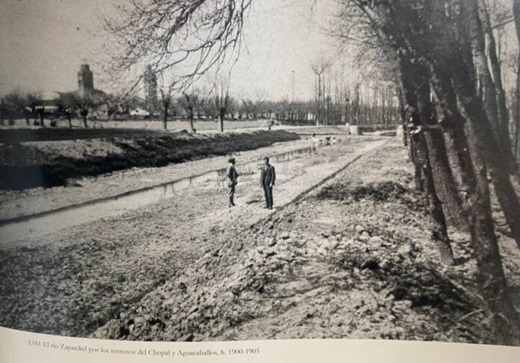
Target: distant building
{"points": [[85, 81], [86, 97], [150, 89]]}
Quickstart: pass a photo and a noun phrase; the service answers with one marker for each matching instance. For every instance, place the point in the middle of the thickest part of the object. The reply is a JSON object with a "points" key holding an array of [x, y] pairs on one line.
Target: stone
{"points": [[359, 229], [333, 244], [375, 240], [322, 251], [404, 250], [311, 251], [285, 235], [364, 236], [402, 304]]}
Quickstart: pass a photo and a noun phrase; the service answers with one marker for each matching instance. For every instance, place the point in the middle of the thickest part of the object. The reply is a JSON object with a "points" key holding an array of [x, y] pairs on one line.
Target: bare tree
{"points": [[164, 34], [166, 100], [15, 103], [319, 68], [190, 101], [221, 98], [81, 104]]}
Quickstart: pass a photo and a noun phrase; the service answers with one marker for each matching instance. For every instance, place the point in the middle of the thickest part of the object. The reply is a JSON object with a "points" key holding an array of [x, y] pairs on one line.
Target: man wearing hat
{"points": [[267, 179], [232, 176]]}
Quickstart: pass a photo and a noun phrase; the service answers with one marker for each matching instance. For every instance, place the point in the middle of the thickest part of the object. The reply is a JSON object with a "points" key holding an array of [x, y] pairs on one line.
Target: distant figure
{"points": [[271, 124], [315, 143], [232, 176], [334, 140], [267, 179]]}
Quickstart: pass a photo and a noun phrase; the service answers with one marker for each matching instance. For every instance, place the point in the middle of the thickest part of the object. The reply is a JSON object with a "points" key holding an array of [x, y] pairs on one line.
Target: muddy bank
{"points": [[54, 163]]}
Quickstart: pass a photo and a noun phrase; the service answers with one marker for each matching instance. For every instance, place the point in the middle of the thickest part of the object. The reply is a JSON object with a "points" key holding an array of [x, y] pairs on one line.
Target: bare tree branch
{"points": [[184, 37]]}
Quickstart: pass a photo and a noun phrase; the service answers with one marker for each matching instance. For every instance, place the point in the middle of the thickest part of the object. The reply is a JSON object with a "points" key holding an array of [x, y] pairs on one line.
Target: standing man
{"points": [[232, 177], [267, 179]]}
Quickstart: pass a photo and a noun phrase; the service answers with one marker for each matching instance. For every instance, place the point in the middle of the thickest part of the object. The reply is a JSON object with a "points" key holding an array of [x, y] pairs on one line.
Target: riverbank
{"points": [[54, 163]]}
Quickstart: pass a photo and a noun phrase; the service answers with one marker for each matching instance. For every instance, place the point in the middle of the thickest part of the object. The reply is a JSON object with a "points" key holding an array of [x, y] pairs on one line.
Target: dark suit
{"points": [[267, 179], [232, 176]]}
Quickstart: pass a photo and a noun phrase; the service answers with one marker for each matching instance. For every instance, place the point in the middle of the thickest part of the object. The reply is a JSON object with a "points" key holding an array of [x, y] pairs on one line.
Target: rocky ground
{"points": [[346, 254], [352, 259]]}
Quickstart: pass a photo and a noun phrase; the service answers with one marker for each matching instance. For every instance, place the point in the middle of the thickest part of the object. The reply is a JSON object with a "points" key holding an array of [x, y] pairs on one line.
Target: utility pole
{"points": [[292, 98]]}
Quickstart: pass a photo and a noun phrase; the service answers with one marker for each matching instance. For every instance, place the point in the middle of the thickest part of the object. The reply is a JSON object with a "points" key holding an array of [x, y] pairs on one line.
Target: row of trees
{"points": [[31, 105], [338, 95], [368, 106], [443, 57]]}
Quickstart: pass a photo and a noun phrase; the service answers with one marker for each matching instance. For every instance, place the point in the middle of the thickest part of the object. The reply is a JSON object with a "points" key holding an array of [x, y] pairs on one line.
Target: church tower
{"points": [[85, 80], [150, 89]]}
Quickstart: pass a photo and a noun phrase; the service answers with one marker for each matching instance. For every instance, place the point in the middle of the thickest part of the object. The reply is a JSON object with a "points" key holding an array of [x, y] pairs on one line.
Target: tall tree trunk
{"points": [[222, 116], [418, 169], [417, 94], [2, 112], [165, 117], [489, 88], [491, 274], [402, 114], [478, 210], [516, 12], [190, 117], [444, 180], [453, 72], [503, 114], [484, 75], [439, 230], [497, 162], [444, 183]]}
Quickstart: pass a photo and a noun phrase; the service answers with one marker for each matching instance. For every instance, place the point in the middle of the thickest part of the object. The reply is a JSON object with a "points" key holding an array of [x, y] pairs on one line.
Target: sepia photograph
{"points": [[255, 170]]}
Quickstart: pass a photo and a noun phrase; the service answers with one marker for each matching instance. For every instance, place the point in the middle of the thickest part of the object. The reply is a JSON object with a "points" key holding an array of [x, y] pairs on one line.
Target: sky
{"points": [[43, 43]]}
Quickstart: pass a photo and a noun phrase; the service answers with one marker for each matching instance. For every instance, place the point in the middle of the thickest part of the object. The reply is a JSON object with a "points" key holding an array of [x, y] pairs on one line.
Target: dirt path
{"points": [[75, 280]]}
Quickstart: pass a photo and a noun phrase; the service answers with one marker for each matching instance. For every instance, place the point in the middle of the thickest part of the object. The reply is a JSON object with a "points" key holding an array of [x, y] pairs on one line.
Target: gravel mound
{"points": [[387, 190]]}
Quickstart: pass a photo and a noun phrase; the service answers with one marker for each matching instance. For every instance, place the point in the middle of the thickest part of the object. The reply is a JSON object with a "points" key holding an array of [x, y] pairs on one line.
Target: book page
{"points": [[259, 180]]}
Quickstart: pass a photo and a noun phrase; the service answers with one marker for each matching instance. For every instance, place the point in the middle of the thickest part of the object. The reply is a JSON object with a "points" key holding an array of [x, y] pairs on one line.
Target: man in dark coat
{"points": [[267, 179], [232, 177]]}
